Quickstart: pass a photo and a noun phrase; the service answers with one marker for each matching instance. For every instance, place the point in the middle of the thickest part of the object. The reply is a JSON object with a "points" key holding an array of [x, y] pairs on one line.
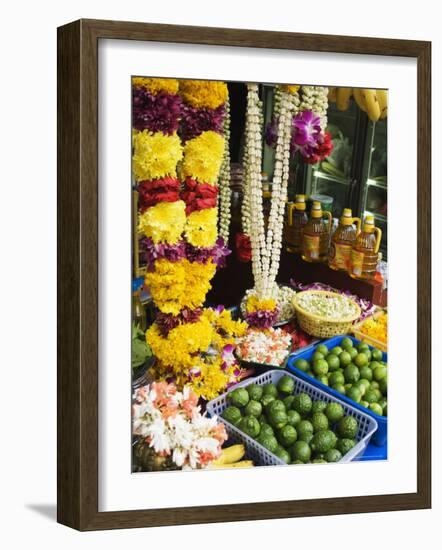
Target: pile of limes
{"points": [[356, 371], [295, 428]]}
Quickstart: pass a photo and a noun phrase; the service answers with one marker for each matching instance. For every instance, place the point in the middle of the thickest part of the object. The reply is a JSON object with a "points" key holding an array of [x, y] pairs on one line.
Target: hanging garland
{"points": [[261, 308], [224, 181]]}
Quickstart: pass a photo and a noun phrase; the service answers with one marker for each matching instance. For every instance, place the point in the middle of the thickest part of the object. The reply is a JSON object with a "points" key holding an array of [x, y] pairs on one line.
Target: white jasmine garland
{"points": [[224, 181]]}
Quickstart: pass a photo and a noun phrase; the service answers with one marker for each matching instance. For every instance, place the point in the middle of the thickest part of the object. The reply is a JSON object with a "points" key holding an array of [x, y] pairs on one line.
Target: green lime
{"points": [[351, 374], [336, 350], [277, 418], [346, 343], [379, 373], [300, 450], [286, 384], [287, 435], [305, 426], [318, 406], [376, 354], [332, 361], [366, 373], [323, 441], [319, 461], [274, 405], [320, 366], [288, 401], [323, 379], [374, 385], [362, 346], [319, 421], [266, 429], [340, 388], [348, 427], [282, 454], [322, 348], [254, 391], [238, 397], [317, 355], [293, 418], [364, 403], [361, 385], [344, 445], [383, 386], [302, 404], [370, 396], [367, 352], [302, 364], [333, 455], [344, 358], [296, 462], [268, 441], [364, 382], [250, 426], [307, 437], [254, 408], [376, 408], [232, 414], [336, 378], [266, 400], [270, 389], [374, 365], [354, 393], [361, 360], [348, 386], [353, 352], [378, 394], [334, 412]]}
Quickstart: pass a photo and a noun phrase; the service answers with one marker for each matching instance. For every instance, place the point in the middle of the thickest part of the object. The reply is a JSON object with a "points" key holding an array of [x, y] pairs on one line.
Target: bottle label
{"points": [[311, 246], [340, 255], [357, 261]]}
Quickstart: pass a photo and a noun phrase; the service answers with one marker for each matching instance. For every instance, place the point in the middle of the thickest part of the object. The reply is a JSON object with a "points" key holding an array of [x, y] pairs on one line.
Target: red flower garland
{"points": [[154, 191], [243, 247], [198, 196], [322, 151]]}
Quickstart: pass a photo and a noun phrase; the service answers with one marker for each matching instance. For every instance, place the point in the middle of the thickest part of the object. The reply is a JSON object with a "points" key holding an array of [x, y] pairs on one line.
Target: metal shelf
{"points": [[378, 184], [329, 177]]}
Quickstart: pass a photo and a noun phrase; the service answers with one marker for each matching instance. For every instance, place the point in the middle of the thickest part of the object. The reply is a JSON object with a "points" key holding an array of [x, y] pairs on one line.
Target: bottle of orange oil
{"points": [[316, 235], [342, 241], [296, 220], [364, 255]]}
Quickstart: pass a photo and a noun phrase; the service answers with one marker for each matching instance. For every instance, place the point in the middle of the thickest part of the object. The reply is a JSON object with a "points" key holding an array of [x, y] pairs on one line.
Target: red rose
{"points": [[243, 247], [198, 196], [322, 150], [161, 190]]}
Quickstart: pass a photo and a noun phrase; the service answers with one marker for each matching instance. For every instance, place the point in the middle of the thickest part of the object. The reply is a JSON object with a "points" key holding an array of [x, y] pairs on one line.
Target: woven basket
{"points": [[322, 327]]}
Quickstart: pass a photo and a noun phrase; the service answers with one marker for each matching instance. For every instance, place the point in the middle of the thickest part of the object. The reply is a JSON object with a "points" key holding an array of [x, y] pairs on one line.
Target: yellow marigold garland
{"points": [[203, 156], [289, 88], [163, 222], [197, 282], [256, 304], [201, 227], [203, 93], [155, 155], [156, 85], [167, 285]]}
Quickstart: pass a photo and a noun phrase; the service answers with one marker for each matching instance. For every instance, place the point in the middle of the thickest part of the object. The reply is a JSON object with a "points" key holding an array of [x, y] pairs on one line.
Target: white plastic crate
{"points": [[259, 454]]}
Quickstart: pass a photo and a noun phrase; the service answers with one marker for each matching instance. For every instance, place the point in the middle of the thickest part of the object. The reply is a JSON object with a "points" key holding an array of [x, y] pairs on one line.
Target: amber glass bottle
{"points": [[364, 255], [296, 220], [342, 241], [316, 235]]}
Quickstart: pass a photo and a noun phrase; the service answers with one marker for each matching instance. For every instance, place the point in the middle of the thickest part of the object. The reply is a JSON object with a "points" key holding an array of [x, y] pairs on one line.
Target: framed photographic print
{"points": [[238, 336]]}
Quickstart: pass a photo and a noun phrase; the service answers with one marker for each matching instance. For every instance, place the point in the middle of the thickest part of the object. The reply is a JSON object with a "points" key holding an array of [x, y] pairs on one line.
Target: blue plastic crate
{"points": [[380, 437]]}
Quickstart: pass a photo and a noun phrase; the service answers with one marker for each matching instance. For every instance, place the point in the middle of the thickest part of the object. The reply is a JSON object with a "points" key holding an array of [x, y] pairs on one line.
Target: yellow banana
{"points": [[332, 95], [343, 98], [382, 96], [241, 464], [231, 454], [373, 110], [357, 94]]}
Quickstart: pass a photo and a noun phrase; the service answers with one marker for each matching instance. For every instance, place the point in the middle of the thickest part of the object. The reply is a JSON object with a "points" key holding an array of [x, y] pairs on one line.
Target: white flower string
{"points": [[266, 248], [315, 98], [224, 181]]}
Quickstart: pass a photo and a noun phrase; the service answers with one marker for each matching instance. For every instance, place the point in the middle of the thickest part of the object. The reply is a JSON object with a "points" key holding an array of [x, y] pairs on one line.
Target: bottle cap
{"points": [[346, 218], [368, 224], [300, 202], [316, 211]]}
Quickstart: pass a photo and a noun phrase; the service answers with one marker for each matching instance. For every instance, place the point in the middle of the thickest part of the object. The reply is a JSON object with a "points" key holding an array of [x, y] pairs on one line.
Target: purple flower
{"points": [[195, 121], [152, 252], [306, 133], [263, 318], [156, 113]]}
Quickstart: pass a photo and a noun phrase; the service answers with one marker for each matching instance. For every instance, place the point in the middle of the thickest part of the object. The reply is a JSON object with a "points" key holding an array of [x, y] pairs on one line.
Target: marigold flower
{"points": [[163, 222], [155, 155], [201, 227], [204, 93], [156, 85], [203, 156]]}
